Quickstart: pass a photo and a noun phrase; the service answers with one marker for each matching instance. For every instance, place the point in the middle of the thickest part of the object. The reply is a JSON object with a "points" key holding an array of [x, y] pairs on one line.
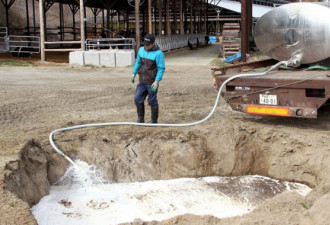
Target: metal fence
{"points": [[31, 44], [24, 44], [171, 42], [3, 39], [110, 43]]}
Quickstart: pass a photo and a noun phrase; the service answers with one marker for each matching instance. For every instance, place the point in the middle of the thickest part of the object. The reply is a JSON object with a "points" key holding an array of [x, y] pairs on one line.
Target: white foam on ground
{"points": [[116, 203]]}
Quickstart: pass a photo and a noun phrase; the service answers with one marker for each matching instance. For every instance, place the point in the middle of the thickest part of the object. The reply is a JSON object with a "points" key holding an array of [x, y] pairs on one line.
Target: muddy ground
{"points": [[36, 100]]}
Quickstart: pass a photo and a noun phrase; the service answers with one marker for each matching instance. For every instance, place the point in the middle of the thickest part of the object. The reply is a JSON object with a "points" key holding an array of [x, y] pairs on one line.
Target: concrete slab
{"points": [[92, 58], [199, 57], [108, 58], [125, 57], [77, 58]]}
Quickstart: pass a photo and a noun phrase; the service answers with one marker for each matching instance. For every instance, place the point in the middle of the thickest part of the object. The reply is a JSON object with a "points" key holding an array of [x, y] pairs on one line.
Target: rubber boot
{"points": [[140, 113], [154, 114]]}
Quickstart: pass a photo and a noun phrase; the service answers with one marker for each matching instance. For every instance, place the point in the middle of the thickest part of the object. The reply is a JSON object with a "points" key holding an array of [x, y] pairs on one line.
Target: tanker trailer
{"points": [[298, 33]]}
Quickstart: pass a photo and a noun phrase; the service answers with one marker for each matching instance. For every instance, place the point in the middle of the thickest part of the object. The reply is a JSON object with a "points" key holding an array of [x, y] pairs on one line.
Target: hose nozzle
{"points": [[294, 61]]}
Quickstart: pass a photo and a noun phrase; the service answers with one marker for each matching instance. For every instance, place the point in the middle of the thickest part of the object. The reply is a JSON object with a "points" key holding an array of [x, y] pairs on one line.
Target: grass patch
{"points": [[305, 206], [178, 112], [10, 62], [220, 62]]}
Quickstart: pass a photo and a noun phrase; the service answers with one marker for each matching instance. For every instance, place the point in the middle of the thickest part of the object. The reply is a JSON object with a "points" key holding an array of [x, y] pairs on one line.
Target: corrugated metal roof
{"points": [[257, 10]]}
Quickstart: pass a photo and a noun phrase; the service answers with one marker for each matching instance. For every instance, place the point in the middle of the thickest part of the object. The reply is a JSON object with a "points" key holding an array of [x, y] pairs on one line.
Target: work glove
{"points": [[154, 86], [133, 78]]}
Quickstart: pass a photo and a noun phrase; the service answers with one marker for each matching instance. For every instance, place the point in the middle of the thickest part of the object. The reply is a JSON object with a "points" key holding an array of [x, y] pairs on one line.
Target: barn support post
{"points": [[174, 11], [82, 25], [149, 17], [160, 17], [60, 5], [144, 15], [246, 16], [168, 23], [34, 18], [27, 17], [103, 21], [137, 24], [42, 30], [191, 17], [207, 17], [181, 18]]}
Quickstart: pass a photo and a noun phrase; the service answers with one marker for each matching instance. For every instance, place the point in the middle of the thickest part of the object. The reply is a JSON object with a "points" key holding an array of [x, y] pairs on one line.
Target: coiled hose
{"points": [[51, 135]]}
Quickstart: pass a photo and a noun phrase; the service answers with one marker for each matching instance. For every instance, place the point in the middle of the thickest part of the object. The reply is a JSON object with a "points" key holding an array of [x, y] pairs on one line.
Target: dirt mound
{"points": [[28, 177]]}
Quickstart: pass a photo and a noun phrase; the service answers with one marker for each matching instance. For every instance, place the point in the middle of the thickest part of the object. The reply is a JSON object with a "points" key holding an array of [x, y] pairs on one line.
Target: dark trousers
{"points": [[144, 90]]}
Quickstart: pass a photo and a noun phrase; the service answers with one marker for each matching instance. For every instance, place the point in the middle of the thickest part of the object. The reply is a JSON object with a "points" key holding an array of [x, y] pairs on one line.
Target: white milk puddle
{"points": [[69, 202]]}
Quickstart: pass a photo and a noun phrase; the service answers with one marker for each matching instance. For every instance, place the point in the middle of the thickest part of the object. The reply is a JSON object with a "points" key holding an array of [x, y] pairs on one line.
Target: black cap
{"points": [[149, 39]]}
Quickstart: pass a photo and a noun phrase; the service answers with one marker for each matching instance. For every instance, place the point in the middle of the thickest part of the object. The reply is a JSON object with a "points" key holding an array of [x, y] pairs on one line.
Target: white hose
{"points": [[160, 124]]}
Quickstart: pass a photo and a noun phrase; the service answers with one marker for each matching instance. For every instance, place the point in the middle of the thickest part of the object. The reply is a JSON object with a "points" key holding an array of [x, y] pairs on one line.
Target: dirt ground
{"points": [[36, 100]]}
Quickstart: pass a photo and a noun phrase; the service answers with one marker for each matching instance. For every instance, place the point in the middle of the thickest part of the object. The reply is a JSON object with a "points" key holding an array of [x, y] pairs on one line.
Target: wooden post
{"points": [[191, 17], [207, 17], [34, 19], [195, 8], [174, 10], [181, 18], [249, 19], [144, 20], [244, 26], [82, 25], [103, 22], [85, 22], [246, 16], [46, 8], [60, 8], [111, 22], [185, 17], [137, 24], [199, 17], [95, 12], [149, 17], [160, 16], [42, 30], [168, 23], [27, 17], [7, 16]]}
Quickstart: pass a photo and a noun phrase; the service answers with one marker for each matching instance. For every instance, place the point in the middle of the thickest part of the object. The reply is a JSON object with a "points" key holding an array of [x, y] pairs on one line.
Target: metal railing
{"points": [[58, 46], [24, 44], [110, 43], [171, 42], [3, 39]]}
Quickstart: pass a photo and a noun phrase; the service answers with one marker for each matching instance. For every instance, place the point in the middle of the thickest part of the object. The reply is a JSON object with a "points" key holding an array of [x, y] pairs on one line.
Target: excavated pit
{"points": [[134, 154]]}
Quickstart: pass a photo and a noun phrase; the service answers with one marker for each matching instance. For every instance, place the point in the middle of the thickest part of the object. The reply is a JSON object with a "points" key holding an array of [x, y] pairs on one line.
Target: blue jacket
{"points": [[150, 65]]}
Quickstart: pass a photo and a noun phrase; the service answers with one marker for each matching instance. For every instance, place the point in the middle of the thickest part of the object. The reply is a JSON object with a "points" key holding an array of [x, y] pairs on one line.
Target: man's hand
{"points": [[133, 78], [154, 86]]}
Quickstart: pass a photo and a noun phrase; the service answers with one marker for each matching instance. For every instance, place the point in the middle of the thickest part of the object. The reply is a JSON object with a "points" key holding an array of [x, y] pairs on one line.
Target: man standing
{"points": [[150, 65]]}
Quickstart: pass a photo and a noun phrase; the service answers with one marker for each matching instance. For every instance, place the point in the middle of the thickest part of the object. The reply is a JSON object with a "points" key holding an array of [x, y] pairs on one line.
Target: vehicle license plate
{"points": [[268, 99]]}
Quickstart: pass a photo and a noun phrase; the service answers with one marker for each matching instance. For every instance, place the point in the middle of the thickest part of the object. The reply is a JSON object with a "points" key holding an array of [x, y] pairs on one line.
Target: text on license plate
{"points": [[267, 99]]}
